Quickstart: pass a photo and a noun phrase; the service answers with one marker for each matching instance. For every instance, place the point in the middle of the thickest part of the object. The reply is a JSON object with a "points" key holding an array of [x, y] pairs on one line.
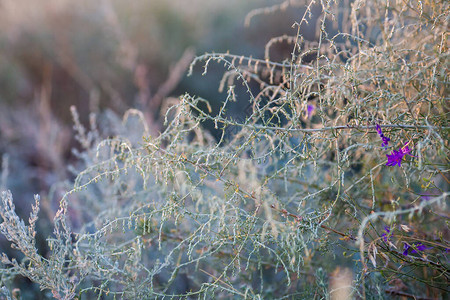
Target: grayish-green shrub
{"points": [[293, 189]]}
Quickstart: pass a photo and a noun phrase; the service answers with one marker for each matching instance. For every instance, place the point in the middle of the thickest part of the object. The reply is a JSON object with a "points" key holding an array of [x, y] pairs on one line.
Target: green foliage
{"points": [[285, 198]]}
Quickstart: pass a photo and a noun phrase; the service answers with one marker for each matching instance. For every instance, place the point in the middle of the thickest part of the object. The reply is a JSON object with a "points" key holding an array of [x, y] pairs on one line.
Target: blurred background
{"points": [[109, 56]]}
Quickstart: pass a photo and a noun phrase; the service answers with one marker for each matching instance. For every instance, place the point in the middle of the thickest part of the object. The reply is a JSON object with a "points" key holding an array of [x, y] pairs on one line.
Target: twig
{"points": [[398, 293], [299, 219]]}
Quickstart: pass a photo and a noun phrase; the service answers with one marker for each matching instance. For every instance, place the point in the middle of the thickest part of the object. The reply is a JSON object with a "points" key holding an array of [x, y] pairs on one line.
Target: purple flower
{"points": [[385, 235], [382, 136], [378, 127], [384, 144], [406, 150], [405, 249], [396, 156], [310, 108], [426, 197], [419, 246]]}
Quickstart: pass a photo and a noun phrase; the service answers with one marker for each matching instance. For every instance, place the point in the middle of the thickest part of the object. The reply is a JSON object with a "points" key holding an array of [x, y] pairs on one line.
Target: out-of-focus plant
{"points": [[299, 188]]}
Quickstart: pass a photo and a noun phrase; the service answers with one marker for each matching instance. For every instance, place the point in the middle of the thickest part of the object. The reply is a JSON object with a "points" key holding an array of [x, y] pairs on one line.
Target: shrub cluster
{"points": [[333, 181]]}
